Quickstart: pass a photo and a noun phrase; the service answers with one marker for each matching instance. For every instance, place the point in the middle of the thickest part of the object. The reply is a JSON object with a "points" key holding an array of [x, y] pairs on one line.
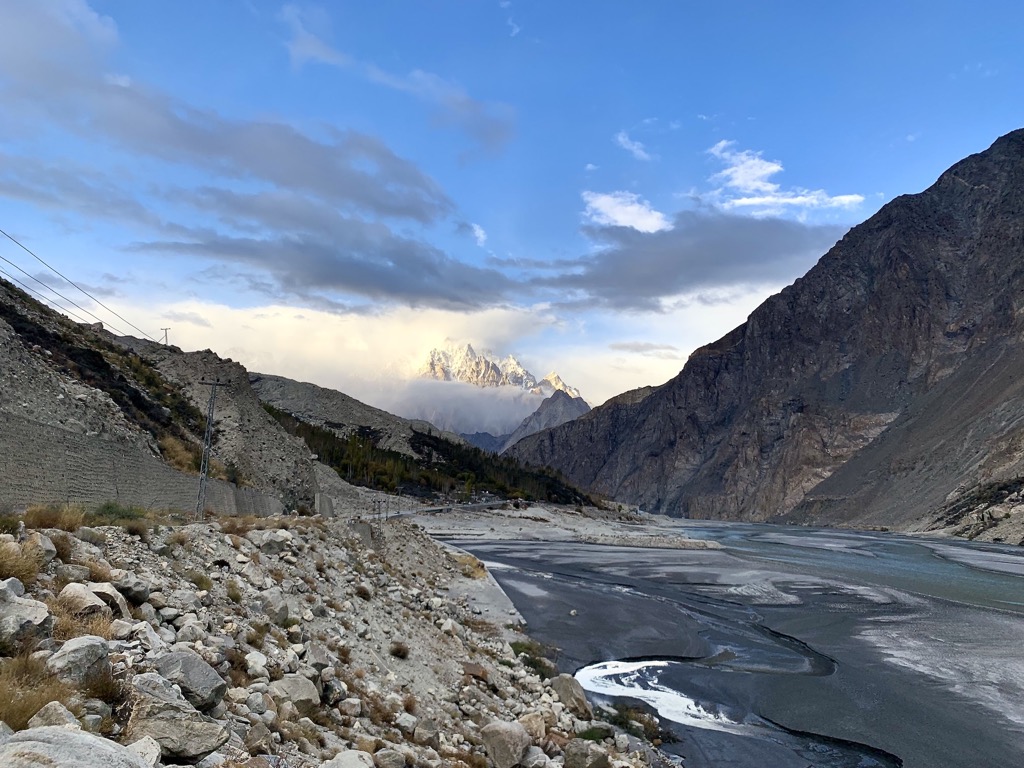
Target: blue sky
{"points": [[326, 191]]}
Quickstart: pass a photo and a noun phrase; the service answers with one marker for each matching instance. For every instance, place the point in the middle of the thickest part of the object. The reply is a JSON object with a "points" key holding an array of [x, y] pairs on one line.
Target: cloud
{"points": [[635, 148], [460, 407], [490, 124], [648, 349], [623, 209], [192, 318], [590, 167], [515, 29], [479, 235], [634, 270], [746, 183]]}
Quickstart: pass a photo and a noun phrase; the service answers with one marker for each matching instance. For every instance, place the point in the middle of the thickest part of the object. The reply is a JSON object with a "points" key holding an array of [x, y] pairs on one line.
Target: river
{"points": [[791, 647]]}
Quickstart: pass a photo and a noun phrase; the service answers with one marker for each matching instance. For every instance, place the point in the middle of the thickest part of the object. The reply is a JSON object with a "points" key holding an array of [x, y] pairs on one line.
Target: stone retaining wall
{"points": [[42, 464]]}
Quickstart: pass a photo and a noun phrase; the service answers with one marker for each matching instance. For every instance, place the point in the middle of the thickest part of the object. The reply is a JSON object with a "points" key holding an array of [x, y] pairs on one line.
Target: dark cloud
{"points": [[704, 250]]}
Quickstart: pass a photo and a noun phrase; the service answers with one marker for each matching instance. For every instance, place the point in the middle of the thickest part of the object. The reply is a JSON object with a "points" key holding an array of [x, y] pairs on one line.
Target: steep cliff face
{"points": [[921, 294], [556, 409]]}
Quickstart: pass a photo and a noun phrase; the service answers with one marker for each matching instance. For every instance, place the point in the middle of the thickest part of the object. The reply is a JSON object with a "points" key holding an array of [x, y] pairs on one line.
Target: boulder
{"points": [[570, 693], [80, 658], [109, 595], [161, 712], [270, 542], [350, 758], [297, 690], [427, 733], [275, 605], [81, 601], [22, 621], [42, 547], [506, 743], [133, 588], [353, 707], [585, 754], [535, 758], [147, 749], [259, 739], [388, 758], [53, 713], [57, 746], [70, 572], [534, 724], [406, 723], [199, 682]]}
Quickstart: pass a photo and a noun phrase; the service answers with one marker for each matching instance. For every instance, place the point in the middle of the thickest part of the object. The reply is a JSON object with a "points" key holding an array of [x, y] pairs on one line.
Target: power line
{"points": [[12, 278], [52, 290], [69, 280]]}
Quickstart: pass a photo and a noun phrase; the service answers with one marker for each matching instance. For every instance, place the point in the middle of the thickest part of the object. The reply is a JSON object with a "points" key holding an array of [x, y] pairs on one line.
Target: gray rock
{"points": [[53, 713], [80, 658], [318, 657], [534, 758], [22, 621], [161, 712], [585, 754], [427, 733], [56, 746], [388, 758], [41, 546], [506, 743], [350, 758], [192, 632], [109, 595], [570, 692], [147, 749], [534, 724], [199, 682], [406, 723], [298, 691], [91, 536], [69, 572], [81, 601], [133, 588], [352, 707], [275, 605], [259, 739], [271, 541]]}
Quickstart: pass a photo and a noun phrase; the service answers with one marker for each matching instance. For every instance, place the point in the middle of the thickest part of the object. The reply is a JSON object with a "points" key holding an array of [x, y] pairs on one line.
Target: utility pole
{"points": [[165, 330], [204, 469]]}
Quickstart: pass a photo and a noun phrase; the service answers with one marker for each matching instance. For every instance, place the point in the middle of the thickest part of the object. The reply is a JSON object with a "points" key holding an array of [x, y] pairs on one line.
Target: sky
{"points": [[327, 191]]}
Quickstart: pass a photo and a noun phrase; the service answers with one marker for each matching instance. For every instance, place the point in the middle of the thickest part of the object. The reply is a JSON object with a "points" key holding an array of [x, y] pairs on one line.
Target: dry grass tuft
{"points": [[471, 567], [64, 545], [27, 687], [399, 650], [181, 456], [238, 526], [234, 591], [179, 538], [21, 564], [98, 570], [66, 518], [201, 580], [67, 624]]}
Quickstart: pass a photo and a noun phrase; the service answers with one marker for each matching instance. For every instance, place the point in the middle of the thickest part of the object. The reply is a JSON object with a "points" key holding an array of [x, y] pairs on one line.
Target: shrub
{"points": [[237, 525], [179, 538], [9, 522], [234, 591], [532, 654], [112, 513], [105, 687], [409, 703], [20, 564], [399, 650], [98, 570], [201, 580], [64, 545], [27, 687], [138, 528], [471, 566], [363, 591], [66, 518], [186, 458]]}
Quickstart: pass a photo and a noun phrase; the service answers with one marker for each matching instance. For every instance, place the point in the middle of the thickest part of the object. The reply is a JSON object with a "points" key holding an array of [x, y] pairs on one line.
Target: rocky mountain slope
{"points": [[340, 413], [556, 409], [880, 388], [284, 642]]}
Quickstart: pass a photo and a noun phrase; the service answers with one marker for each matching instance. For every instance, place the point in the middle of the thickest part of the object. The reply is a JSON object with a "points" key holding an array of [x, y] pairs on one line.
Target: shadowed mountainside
{"points": [[875, 389]]}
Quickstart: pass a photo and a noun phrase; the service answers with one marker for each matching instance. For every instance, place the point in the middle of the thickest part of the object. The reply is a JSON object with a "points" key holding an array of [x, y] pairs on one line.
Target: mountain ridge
{"points": [[758, 419]]}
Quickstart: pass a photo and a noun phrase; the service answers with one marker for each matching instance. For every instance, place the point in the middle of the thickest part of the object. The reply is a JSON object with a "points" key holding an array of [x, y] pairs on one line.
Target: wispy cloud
{"points": [[490, 124], [479, 235], [746, 183], [635, 148], [623, 209], [647, 349], [515, 29]]}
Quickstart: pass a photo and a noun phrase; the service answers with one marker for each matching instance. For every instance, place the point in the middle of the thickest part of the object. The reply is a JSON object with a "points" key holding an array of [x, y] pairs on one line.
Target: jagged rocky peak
{"points": [[460, 362]]}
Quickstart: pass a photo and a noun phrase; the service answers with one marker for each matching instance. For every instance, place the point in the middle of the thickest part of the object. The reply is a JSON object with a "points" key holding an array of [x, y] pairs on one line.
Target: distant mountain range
{"points": [[483, 369]]}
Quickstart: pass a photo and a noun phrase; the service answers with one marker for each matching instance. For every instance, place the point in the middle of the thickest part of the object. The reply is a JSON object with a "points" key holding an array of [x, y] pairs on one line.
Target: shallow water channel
{"points": [[791, 647]]}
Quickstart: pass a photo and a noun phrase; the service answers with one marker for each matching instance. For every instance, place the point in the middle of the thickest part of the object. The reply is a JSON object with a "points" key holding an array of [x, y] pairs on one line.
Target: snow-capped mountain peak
{"points": [[460, 362]]}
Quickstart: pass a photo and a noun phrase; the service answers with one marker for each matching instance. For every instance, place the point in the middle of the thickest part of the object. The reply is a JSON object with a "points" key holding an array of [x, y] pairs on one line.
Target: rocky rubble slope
{"points": [[298, 643]]}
